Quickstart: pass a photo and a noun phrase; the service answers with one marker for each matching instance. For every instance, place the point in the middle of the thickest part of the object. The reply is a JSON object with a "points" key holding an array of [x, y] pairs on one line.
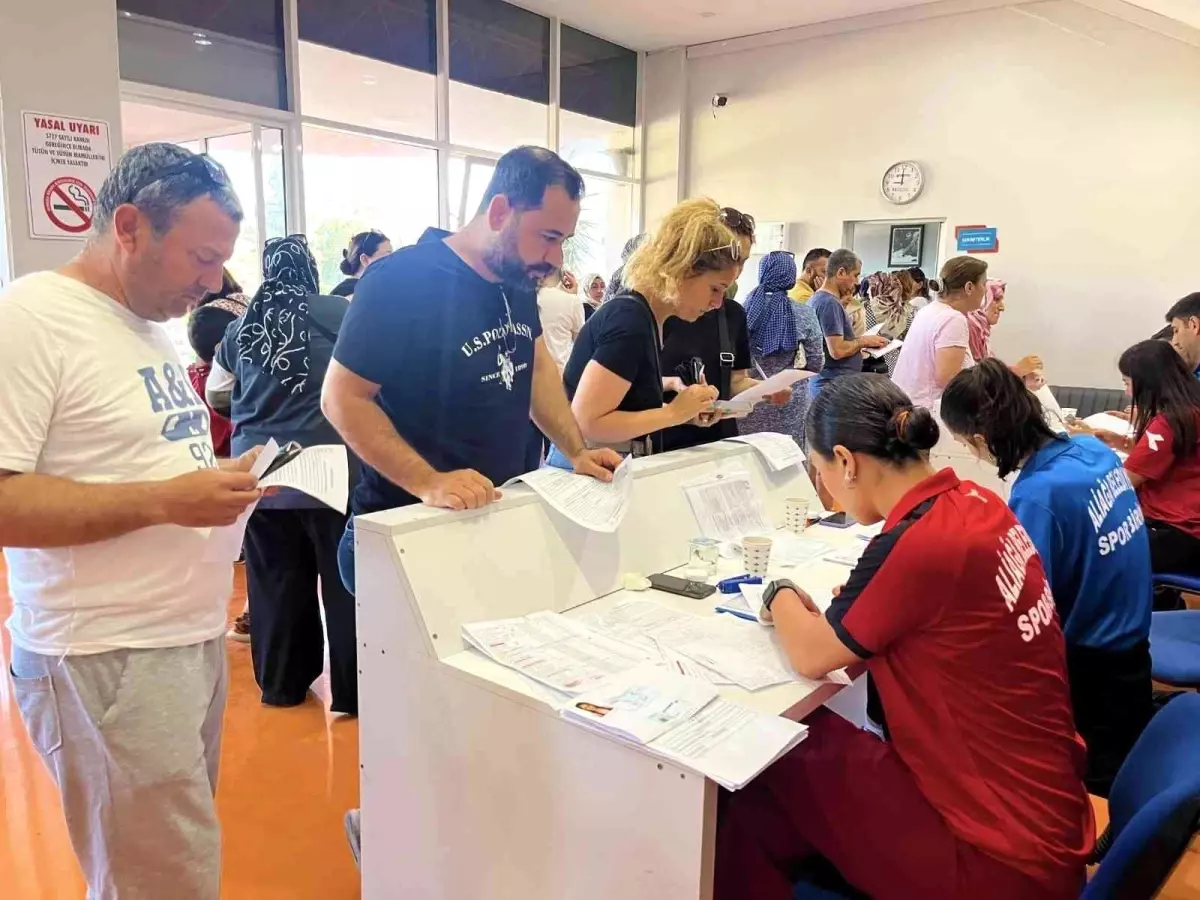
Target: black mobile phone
{"points": [[837, 520], [697, 590], [287, 453]]}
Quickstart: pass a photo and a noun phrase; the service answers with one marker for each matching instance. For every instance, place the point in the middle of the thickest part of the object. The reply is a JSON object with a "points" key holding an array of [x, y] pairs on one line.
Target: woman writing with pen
{"points": [[614, 377], [713, 350]]}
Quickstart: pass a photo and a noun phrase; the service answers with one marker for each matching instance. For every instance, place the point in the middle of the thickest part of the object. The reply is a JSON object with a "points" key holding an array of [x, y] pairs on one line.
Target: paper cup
{"points": [[795, 514], [756, 555]]}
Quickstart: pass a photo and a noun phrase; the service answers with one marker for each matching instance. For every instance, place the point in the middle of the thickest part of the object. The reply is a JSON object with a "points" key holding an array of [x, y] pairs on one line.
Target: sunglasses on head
{"points": [[199, 166]]}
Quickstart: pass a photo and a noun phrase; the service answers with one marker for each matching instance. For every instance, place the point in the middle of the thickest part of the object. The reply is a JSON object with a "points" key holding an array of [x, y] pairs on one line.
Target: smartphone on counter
{"points": [[837, 520], [697, 590], [287, 453]]}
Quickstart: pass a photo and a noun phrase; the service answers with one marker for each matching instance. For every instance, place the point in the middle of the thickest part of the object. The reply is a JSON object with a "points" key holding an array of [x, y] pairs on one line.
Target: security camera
{"points": [[720, 101]]}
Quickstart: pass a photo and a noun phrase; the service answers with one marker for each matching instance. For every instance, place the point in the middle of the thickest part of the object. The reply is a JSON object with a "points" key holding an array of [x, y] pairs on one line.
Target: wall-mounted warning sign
{"points": [[66, 161]]}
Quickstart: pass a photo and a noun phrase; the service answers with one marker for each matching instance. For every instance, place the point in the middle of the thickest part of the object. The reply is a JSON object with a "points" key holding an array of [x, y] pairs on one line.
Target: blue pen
{"points": [[749, 617]]}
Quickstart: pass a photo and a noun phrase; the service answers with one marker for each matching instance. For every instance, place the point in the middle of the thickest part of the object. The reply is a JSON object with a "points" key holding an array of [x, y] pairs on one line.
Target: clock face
{"points": [[903, 182]]}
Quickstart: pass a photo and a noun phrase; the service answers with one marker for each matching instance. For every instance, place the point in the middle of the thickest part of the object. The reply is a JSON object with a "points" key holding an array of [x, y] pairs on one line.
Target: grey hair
{"points": [[161, 200], [843, 259]]}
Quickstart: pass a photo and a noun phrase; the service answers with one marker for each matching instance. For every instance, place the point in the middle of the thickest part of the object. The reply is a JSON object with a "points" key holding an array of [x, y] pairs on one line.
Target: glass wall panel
{"points": [[353, 183], [499, 74], [229, 50], [236, 153]]}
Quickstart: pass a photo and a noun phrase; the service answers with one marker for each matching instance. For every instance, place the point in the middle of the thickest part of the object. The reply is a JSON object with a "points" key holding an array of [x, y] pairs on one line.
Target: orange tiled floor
{"points": [[287, 777]]}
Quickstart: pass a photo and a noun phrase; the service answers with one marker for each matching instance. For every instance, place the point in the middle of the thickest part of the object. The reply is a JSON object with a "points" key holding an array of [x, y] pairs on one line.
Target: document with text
{"points": [[591, 504], [322, 472], [555, 651], [779, 451], [772, 385], [726, 506]]}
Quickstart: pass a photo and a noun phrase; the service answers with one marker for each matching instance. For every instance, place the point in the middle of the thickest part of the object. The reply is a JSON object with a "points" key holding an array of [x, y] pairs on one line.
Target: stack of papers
{"points": [[779, 451], [554, 651], [847, 556], [322, 472], [791, 550], [681, 720], [726, 506], [592, 504]]}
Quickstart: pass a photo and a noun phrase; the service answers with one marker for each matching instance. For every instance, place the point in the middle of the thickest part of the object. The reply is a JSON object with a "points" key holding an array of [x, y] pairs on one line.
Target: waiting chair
{"points": [[1154, 805], [1189, 584], [1175, 649], [1154, 810]]}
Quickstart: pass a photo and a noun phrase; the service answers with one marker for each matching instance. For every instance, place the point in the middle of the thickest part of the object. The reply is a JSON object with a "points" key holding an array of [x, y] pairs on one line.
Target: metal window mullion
{"points": [[260, 194], [293, 132], [442, 119], [552, 118]]}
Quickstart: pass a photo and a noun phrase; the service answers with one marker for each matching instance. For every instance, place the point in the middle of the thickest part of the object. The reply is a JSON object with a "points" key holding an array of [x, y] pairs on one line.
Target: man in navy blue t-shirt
{"points": [[440, 363]]}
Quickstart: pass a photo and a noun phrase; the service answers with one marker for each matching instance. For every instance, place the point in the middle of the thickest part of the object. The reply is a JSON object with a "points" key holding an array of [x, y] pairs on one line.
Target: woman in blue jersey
{"points": [[1074, 498]]}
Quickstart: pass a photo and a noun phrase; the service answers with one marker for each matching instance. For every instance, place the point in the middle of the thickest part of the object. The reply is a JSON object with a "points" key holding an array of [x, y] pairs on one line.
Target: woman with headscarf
{"points": [[268, 371], [593, 294], [783, 334], [980, 324], [888, 305]]}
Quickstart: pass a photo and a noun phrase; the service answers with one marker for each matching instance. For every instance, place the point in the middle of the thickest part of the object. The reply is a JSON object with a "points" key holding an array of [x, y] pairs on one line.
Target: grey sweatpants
{"points": [[133, 738]]}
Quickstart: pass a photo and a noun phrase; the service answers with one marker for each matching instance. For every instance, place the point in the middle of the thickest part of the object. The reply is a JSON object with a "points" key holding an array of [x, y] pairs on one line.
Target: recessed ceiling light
{"points": [[370, 80], [708, 14], [202, 42]]}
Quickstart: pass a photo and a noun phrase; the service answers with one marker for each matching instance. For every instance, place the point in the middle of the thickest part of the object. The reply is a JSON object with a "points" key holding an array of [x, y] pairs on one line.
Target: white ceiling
{"points": [[655, 24]]}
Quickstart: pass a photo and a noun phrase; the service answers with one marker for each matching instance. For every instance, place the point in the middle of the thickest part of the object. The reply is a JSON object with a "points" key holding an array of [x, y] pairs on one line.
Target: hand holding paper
{"points": [[772, 385]]}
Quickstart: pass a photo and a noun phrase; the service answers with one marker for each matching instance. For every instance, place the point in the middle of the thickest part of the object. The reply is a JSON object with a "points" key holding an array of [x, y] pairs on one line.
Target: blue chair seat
{"points": [[1175, 647], [1189, 583]]}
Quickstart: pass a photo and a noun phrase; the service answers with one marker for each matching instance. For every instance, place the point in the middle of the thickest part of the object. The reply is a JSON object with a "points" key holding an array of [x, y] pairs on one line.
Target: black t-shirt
{"points": [[345, 287], [453, 356], [622, 336], [701, 339]]}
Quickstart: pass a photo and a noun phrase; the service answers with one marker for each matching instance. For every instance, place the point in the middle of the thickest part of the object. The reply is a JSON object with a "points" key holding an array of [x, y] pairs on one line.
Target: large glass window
{"points": [[229, 50], [606, 222], [353, 183], [236, 153], [469, 177], [598, 96], [372, 63], [499, 75]]}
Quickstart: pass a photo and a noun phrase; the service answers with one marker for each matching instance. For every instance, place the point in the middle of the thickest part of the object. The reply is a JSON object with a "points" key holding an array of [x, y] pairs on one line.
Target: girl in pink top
{"points": [[938, 344]]}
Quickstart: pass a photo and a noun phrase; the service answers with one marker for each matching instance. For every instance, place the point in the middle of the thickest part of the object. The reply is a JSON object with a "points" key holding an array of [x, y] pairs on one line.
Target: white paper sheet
{"points": [[895, 344], [726, 506], [555, 651], [874, 331], [741, 651], [729, 743], [1107, 422], [788, 551], [780, 451], [225, 543], [322, 472], [847, 556], [641, 704], [591, 504], [772, 385]]}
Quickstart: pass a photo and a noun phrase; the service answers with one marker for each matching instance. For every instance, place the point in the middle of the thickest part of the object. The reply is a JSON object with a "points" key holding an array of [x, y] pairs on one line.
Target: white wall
{"points": [[665, 99], [1073, 132], [58, 57]]}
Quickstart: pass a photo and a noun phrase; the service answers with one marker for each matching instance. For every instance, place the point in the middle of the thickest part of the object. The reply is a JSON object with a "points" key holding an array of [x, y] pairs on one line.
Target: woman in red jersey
{"points": [[977, 791]]}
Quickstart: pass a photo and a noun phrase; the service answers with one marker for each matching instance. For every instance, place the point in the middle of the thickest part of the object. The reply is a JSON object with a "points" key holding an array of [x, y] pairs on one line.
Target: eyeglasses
{"points": [[734, 250], [199, 166]]}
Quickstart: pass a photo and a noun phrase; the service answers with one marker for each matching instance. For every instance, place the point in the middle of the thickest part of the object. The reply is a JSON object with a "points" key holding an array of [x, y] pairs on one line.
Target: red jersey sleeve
{"points": [[1154, 454], [887, 596]]}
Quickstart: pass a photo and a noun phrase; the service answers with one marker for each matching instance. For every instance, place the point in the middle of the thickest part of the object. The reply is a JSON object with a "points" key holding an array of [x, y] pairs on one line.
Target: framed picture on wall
{"points": [[905, 246]]}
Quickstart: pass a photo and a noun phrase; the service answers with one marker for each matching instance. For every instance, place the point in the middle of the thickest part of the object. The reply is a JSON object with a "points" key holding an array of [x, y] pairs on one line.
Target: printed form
{"points": [[772, 385], [726, 506], [225, 543], [589, 503], [322, 472], [780, 451]]}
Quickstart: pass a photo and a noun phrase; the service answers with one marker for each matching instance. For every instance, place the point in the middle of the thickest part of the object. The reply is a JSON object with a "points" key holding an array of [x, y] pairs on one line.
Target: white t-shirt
{"points": [[934, 328], [561, 313], [93, 393]]}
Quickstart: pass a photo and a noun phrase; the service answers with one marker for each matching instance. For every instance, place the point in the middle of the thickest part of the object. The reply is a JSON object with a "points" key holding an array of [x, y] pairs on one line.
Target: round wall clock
{"points": [[903, 182]]}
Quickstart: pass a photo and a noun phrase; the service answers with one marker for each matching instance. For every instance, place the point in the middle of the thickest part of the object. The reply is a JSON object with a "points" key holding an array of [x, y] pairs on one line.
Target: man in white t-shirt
{"points": [[560, 311], [109, 489]]}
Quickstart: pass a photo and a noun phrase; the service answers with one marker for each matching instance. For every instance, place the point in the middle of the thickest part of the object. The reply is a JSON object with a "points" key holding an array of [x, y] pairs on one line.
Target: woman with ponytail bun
{"points": [[950, 612], [366, 248], [1076, 503]]}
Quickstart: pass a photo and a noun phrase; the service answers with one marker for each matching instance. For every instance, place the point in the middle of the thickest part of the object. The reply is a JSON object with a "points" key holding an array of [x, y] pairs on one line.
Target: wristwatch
{"points": [[773, 588]]}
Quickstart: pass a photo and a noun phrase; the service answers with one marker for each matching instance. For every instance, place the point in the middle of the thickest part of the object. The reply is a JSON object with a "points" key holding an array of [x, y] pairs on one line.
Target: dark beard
{"points": [[504, 259]]}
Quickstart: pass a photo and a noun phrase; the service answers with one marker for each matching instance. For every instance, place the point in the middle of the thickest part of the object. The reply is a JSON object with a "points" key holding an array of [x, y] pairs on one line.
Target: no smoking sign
{"points": [[70, 205]]}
